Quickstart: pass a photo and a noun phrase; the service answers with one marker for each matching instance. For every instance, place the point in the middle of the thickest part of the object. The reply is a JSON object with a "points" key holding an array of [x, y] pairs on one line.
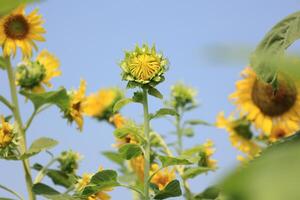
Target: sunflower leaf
{"points": [[171, 190], [129, 151], [170, 161], [39, 145], [121, 103], [163, 112]]}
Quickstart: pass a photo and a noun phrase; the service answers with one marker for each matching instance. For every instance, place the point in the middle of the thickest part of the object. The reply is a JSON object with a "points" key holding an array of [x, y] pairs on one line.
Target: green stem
{"points": [[11, 191], [188, 193], [147, 145], [28, 123], [18, 121], [6, 102], [43, 172]]}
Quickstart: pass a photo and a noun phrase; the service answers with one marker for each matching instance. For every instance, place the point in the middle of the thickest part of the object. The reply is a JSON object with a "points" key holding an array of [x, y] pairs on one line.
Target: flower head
{"points": [[266, 106], [8, 138], [144, 66], [75, 110], [20, 30], [182, 96], [162, 177], [206, 154], [68, 161], [100, 105], [34, 75], [240, 134]]}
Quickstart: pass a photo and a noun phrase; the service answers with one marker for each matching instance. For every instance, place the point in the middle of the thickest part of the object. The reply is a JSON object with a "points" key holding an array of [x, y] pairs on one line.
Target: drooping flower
{"points": [[144, 66], [265, 106], [240, 134], [163, 177], [182, 96], [75, 111], [20, 30], [34, 75], [100, 105]]}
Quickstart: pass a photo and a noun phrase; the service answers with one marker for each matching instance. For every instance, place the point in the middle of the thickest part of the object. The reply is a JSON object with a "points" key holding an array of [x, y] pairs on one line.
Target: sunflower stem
{"points": [[188, 193], [147, 145], [19, 123]]}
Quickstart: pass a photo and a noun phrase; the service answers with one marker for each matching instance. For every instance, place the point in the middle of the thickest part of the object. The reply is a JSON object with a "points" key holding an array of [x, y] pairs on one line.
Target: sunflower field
{"points": [[137, 100]]}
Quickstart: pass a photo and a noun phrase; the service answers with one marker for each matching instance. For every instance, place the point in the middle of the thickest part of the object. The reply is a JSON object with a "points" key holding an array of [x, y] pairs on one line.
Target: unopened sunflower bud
{"points": [[182, 96], [69, 161], [8, 139]]}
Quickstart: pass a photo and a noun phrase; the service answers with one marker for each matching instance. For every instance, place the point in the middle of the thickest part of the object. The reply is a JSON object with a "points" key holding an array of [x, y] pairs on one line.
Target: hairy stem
{"points": [[147, 145], [20, 128]]}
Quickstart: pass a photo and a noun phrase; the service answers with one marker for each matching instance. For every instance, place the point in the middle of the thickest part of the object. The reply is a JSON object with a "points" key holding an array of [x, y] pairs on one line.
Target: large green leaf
{"points": [[114, 156], [170, 161], [43, 189], [39, 145], [59, 98], [129, 151], [272, 176], [195, 171], [7, 6], [171, 190], [100, 181], [273, 45]]}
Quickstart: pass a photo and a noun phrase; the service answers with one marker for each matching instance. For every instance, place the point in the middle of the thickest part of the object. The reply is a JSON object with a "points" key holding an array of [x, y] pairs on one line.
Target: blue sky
{"points": [[90, 36]]}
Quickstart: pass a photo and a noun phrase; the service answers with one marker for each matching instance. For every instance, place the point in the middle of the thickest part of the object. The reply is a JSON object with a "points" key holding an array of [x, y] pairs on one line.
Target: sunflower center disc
{"points": [[16, 27], [274, 102]]}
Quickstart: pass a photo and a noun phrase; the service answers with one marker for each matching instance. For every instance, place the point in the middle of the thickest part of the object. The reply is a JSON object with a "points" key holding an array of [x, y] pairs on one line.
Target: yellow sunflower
{"points": [[100, 105], [20, 30], [35, 75], [75, 110], [266, 107], [209, 150], [239, 134], [6, 133], [163, 177]]}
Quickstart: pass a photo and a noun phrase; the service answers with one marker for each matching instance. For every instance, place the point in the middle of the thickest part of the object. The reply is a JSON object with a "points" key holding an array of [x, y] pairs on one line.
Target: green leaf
{"points": [[121, 103], [114, 156], [43, 189], [193, 150], [59, 98], [274, 175], [39, 145], [169, 161], [155, 92], [211, 193], [197, 122], [171, 190], [3, 63], [61, 178], [163, 112], [100, 181], [7, 6], [195, 171], [273, 45], [129, 151]]}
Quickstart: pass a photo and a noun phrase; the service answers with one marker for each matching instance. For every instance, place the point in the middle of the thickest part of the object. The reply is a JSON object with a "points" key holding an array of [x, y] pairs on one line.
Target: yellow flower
{"points": [[34, 75], [85, 180], [162, 177], [208, 151], [279, 132], [100, 105], [266, 107], [239, 134], [20, 30], [6, 133], [137, 165], [117, 120], [144, 65], [75, 110]]}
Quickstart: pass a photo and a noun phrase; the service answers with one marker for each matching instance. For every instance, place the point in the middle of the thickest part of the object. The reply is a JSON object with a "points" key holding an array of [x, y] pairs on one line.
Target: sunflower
{"points": [[144, 66], [35, 75], [20, 30], [100, 105], [8, 139], [162, 177], [182, 96], [265, 106], [239, 134], [75, 111], [206, 154]]}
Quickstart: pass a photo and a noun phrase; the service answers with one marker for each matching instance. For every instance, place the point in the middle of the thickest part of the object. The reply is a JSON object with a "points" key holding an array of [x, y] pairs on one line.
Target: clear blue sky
{"points": [[89, 38]]}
